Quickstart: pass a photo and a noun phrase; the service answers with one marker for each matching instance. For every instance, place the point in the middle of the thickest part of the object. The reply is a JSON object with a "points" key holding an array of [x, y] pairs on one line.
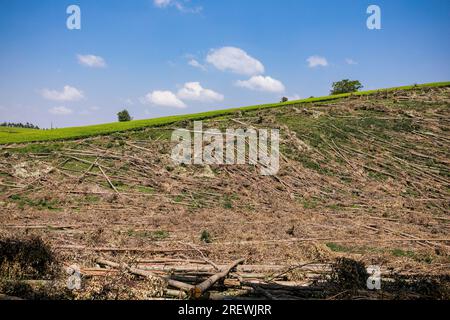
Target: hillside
{"points": [[21, 136], [364, 176]]}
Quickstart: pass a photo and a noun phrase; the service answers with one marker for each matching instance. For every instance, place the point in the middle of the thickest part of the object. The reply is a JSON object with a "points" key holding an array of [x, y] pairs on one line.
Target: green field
{"points": [[18, 135], [11, 130], [8, 133]]}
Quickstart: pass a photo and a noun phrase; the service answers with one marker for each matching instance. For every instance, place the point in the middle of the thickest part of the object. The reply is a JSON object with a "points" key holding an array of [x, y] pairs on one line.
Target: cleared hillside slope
{"points": [[363, 177]]}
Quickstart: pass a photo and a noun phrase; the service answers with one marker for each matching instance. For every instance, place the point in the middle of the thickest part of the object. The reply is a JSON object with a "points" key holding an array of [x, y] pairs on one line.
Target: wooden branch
{"points": [[104, 249], [88, 170], [200, 289], [53, 227], [378, 240], [138, 147], [255, 271], [109, 181], [168, 261], [203, 256]]}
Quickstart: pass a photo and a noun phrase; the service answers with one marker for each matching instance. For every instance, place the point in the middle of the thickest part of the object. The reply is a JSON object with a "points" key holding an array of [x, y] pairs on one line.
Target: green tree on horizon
{"points": [[346, 86], [124, 116]]}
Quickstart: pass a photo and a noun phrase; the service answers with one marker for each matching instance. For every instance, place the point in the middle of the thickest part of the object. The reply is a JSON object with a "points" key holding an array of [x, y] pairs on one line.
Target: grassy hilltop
{"points": [[25, 135]]}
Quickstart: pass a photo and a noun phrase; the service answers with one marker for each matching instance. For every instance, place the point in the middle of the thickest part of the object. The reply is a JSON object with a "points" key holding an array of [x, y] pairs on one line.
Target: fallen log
{"points": [[293, 240], [101, 249], [97, 272], [53, 227], [109, 180], [168, 260], [209, 268], [200, 289], [193, 265], [176, 294]]}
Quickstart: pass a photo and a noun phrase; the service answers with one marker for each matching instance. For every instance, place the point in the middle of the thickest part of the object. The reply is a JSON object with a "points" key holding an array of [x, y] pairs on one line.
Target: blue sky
{"points": [[164, 57]]}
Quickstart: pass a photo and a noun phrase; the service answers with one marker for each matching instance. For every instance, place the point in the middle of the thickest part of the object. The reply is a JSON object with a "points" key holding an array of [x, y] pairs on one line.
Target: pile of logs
{"points": [[198, 279]]}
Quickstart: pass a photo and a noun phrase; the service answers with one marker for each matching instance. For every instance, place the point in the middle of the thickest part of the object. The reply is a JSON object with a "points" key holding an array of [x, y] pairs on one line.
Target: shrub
{"points": [[26, 258], [206, 237], [348, 274]]}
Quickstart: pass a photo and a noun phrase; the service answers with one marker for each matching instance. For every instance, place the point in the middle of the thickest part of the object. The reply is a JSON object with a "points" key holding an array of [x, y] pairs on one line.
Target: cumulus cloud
{"points": [[164, 99], [294, 97], [195, 92], [235, 60], [179, 5], [194, 63], [91, 61], [60, 111], [68, 94], [262, 83], [317, 61], [350, 61]]}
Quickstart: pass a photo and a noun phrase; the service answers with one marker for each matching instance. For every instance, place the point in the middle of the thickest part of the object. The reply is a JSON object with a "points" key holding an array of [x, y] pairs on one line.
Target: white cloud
{"points": [[91, 61], [68, 94], [60, 111], [294, 97], [194, 63], [89, 111], [317, 61], [351, 61], [164, 99], [177, 4], [261, 83], [162, 3], [194, 91], [235, 60]]}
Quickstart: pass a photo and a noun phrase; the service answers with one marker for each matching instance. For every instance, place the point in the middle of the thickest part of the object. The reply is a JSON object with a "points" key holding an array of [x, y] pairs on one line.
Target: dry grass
{"points": [[364, 178]]}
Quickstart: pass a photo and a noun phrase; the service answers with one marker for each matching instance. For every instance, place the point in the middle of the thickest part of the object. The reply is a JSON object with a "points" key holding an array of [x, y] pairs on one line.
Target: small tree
{"points": [[124, 116], [346, 86], [284, 99]]}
